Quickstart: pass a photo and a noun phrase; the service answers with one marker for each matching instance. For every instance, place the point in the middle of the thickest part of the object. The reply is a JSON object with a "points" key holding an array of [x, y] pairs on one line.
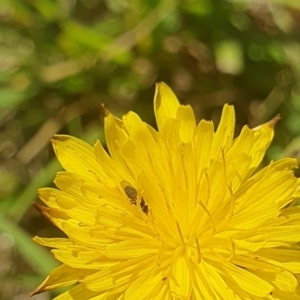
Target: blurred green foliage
{"points": [[60, 59]]}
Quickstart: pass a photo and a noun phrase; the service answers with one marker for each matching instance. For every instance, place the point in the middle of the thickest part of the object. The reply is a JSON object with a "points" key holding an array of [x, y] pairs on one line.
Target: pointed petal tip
{"points": [[158, 86], [43, 211], [32, 294], [35, 292], [271, 124], [36, 206], [165, 104], [274, 121], [40, 289], [55, 138], [105, 112], [161, 84]]}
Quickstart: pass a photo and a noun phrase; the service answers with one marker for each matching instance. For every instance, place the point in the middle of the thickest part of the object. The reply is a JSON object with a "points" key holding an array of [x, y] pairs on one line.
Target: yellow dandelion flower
{"points": [[176, 213]]}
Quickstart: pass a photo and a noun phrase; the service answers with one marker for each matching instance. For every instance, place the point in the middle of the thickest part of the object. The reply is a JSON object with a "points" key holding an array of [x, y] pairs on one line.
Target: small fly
{"points": [[132, 195]]}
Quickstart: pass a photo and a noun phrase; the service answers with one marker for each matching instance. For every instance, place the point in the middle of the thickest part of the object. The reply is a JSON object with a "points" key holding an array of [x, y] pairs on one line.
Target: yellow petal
{"points": [[60, 243], [143, 285], [56, 216], [203, 143], [87, 236], [82, 259], [165, 104], [188, 124], [263, 136], [60, 277], [132, 248], [203, 284], [116, 136], [180, 283], [67, 203], [249, 282], [289, 258], [76, 156], [80, 292], [123, 273], [113, 170], [280, 235], [224, 134], [84, 190], [286, 282]]}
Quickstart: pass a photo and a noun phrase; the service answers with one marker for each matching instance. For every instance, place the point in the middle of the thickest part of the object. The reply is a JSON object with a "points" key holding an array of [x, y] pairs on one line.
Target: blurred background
{"points": [[60, 59]]}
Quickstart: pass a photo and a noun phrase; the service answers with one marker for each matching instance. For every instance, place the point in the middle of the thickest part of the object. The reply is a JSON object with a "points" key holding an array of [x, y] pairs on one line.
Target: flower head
{"points": [[176, 213]]}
